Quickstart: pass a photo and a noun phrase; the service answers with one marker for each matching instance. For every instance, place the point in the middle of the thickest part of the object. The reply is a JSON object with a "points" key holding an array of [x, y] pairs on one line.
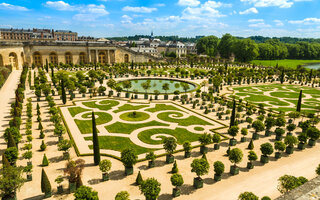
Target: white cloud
{"points": [[249, 11], [97, 9], [125, 19], [260, 25], [160, 5], [205, 11], [60, 5], [188, 3], [278, 22], [139, 9], [306, 21], [268, 3], [6, 6], [255, 20]]}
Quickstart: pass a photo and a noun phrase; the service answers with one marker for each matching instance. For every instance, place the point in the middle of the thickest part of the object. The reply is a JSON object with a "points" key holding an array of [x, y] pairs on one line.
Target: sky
{"points": [[185, 18]]}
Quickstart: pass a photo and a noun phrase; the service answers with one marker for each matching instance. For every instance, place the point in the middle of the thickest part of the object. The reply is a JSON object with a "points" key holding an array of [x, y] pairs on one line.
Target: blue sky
{"points": [[105, 18]]}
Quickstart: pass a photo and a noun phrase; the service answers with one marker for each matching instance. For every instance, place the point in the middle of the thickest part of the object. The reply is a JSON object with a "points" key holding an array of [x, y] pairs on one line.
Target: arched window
{"points": [[53, 58], [126, 58], [102, 57], [82, 57], [37, 59], [68, 56]]}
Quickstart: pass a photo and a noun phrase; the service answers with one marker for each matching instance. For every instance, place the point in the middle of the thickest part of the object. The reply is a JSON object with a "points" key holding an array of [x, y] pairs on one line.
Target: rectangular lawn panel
{"points": [[76, 110], [125, 128], [119, 144], [126, 107], [85, 126]]}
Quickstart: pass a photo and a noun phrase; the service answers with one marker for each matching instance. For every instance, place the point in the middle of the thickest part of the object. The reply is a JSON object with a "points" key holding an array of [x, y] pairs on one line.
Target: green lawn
{"points": [[76, 110], [113, 143], [120, 127], [126, 107], [160, 107], [85, 126], [134, 116], [285, 63], [192, 120], [106, 104], [180, 134]]}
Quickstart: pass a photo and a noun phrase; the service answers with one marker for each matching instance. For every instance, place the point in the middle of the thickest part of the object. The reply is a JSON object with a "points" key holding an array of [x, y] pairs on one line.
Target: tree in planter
{"points": [[150, 188], [303, 137], [216, 138], [74, 171], [204, 140], [45, 161], [27, 155], [127, 85], [165, 87], [85, 192], [235, 156], [146, 86], [45, 184], [314, 134], [266, 150], [187, 149], [14, 131], [176, 180], [64, 145], [251, 145], [290, 141], [258, 126], [123, 195], [279, 132], [95, 140], [28, 170], [156, 93], [269, 123], [233, 131], [252, 156], [248, 196], [128, 158], [12, 154], [218, 170], [280, 147], [244, 132], [200, 167], [105, 166], [11, 180], [169, 144], [280, 121], [119, 90], [291, 128], [151, 157], [59, 180], [287, 183]]}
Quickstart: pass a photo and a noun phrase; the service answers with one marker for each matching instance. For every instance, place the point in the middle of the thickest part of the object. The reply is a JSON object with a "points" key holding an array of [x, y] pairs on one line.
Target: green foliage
{"points": [[279, 146], [11, 180], [175, 167], [200, 166], [235, 155], [64, 145], [187, 146], [150, 188], [258, 125], [251, 145], [139, 179], [208, 45], [245, 50], [176, 180], [12, 154], [299, 102], [290, 140], [43, 146], [313, 133], [105, 165], [265, 198], [170, 144], [85, 193], [266, 149], [45, 161], [128, 157], [14, 132], [95, 140], [205, 139], [45, 183], [11, 142], [218, 167], [244, 131], [151, 156], [233, 131], [252, 156], [248, 196], [318, 170], [287, 183], [5, 162], [123, 195]]}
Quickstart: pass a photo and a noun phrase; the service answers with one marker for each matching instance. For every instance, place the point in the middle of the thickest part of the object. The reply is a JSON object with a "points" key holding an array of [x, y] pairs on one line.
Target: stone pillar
{"points": [[97, 56], [107, 57]]}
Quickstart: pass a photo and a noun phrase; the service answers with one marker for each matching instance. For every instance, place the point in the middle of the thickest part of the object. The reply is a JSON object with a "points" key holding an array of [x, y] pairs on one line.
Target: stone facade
{"points": [[19, 53]]}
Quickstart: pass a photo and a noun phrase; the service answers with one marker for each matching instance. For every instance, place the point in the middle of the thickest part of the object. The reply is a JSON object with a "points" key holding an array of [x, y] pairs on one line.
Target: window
{"points": [[68, 57]]}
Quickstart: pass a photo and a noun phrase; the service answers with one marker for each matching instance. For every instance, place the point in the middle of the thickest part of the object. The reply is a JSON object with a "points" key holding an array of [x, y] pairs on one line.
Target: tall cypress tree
{"points": [[282, 77], [233, 114], [5, 162], [63, 93], [95, 140], [47, 66], [299, 102], [310, 75], [11, 141], [45, 183]]}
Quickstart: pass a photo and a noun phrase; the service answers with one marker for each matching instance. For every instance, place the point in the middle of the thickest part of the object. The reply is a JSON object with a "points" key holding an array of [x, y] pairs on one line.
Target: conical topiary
{"points": [[40, 127], [251, 146], [299, 102], [43, 146], [5, 162], [175, 167], [11, 141], [45, 183], [139, 179], [41, 134], [45, 161]]}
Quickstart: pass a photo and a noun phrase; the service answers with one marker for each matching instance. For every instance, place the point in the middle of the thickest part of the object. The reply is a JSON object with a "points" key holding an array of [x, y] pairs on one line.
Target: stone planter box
{"points": [[60, 189], [234, 170], [127, 95], [197, 182], [250, 165], [277, 155], [29, 177], [217, 177], [169, 159], [264, 159], [151, 163], [72, 187], [243, 139], [255, 136], [301, 146], [312, 143], [232, 142], [176, 192], [216, 146], [289, 150], [47, 195], [105, 177], [203, 149], [128, 171], [187, 154], [278, 137]]}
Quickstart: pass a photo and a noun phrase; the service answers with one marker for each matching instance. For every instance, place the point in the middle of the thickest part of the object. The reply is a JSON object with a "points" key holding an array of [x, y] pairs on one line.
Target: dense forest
{"points": [[247, 49]]}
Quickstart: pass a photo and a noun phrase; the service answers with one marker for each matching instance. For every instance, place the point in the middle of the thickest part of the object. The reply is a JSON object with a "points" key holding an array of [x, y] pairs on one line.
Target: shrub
{"points": [[85, 193], [205, 139], [290, 140], [176, 180], [105, 165], [187, 146], [248, 196], [139, 179], [313, 133], [233, 131], [45, 183], [150, 188], [252, 156], [251, 145], [235, 156], [216, 138], [123, 195], [287, 183], [266, 149], [128, 157], [43, 146], [218, 167], [200, 166], [11, 154], [175, 167], [45, 161], [169, 144], [10, 181], [279, 146]]}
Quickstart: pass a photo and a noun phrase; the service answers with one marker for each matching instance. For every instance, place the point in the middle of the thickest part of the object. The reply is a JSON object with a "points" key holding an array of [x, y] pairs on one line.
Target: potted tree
{"points": [[128, 158], [204, 140], [105, 166], [28, 155], [150, 188], [127, 85], [258, 126], [64, 145], [59, 180], [151, 157], [235, 156], [266, 150], [216, 138], [74, 171], [165, 87], [252, 156], [28, 170], [218, 170], [313, 133], [290, 141], [11, 180], [200, 167], [169, 145], [303, 139], [280, 147], [176, 180], [244, 132], [156, 94], [187, 149], [233, 131], [291, 128], [269, 123]]}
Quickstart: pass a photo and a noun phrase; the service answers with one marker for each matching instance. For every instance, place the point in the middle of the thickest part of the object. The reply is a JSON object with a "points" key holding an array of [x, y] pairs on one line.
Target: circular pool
{"points": [[157, 84]]}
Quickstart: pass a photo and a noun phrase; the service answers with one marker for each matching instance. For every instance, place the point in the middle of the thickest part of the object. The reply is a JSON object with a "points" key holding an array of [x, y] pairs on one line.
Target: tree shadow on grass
{"points": [[165, 197], [117, 175]]}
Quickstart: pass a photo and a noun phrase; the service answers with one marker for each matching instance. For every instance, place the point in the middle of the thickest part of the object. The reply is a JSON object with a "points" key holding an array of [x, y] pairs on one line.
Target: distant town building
{"points": [[65, 35]]}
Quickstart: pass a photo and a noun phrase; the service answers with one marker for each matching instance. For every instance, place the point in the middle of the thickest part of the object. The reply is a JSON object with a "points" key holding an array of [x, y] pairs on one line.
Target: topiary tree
{"points": [[258, 126], [235, 156], [14, 131], [45, 184], [279, 146], [287, 183], [265, 198], [204, 140], [269, 123], [233, 131], [105, 166], [123, 195], [95, 140], [151, 157], [45, 161], [12, 154], [303, 137], [128, 158], [314, 134], [279, 132], [74, 171], [216, 138], [169, 144], [64, 145], [244, 132], [175, 167], [290, 141], [252, 156], [233, 114], [139, 179], [11, 180], [218, 170], [85, 193], [266, 150], [150, 188], [251, 145], [43, 146], [187, 149], [291, 128], [176, 180], [248, 196], [200, 167], [299, 102]]}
